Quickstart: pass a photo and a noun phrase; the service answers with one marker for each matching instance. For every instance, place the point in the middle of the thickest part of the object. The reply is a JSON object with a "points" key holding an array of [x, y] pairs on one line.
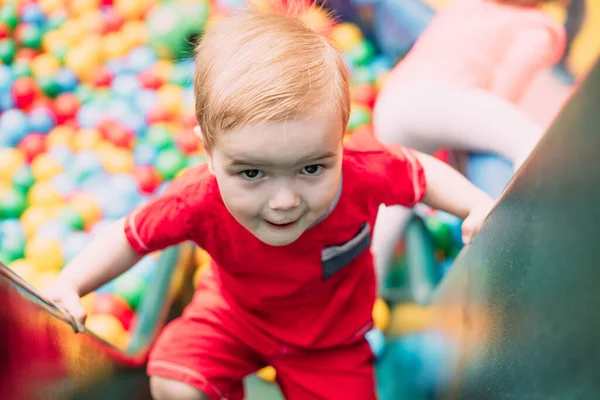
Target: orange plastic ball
{"points": [[135, 33], [86, 139], [61, 135], [87, 207], [114, 46]]}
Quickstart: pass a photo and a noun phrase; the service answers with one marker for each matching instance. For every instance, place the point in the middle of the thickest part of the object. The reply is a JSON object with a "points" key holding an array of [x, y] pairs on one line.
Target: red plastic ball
{"points": [[156, 115], [102, 77], [4, 31], [147, 178], [187, 142], [32, 145], [24, 92], [65, 107], [116, 133], [364, 94], [112, 22], [108, 303], [25, 55], [149, 80]]}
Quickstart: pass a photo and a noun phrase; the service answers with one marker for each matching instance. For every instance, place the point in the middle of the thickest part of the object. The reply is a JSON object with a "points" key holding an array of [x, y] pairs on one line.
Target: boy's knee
{"points": [[168, 389]]}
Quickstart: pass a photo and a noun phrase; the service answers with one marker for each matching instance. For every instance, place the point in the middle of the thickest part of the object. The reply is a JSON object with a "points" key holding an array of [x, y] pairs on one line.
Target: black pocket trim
{"points": [[334, 258]]}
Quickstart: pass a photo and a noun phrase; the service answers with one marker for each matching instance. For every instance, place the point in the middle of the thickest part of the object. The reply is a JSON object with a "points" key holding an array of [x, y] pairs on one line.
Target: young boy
{"points": [[285, 210]]}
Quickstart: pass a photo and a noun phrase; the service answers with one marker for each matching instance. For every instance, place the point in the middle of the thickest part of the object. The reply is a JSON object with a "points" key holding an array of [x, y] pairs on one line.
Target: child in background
{"points": [[458, 87], [285, 209]]}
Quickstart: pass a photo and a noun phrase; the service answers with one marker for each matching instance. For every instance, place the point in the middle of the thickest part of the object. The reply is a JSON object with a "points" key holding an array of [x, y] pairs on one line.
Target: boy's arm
{"points": [[449, 191], [106, 257]]}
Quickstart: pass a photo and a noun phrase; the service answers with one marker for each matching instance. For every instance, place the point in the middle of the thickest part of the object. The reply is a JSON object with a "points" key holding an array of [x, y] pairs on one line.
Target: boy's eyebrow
{"points": [[256, 162]]}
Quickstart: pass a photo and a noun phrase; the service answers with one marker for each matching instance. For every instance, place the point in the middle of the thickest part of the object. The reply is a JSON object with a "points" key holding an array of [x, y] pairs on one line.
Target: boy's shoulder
{"points": [[197, 184]]}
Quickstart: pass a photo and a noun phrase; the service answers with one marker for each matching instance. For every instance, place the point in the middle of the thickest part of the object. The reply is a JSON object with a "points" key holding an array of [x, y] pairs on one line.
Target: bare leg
{"points": [[168, 389], [427, 117]]}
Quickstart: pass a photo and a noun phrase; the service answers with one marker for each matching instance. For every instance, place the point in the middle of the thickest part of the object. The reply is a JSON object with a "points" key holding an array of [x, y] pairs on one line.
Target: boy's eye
{"points": [[252, 174], [314, 169]]}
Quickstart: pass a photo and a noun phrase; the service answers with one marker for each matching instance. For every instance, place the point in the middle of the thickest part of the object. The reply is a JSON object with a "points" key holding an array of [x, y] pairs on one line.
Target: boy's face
{"points": [[277, 179]]}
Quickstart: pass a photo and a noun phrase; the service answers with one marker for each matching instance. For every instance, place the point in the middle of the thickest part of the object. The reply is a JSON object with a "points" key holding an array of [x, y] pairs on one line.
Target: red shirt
{"points": [[315, 292]]}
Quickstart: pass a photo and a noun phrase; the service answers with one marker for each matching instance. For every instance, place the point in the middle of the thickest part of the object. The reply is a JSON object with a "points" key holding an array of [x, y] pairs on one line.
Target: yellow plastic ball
{"points": [[80, 7], [381, 315], [114, 46], [119, 161], [132, 9], [82, 62], [44, 279], [44, 253], [10, 161], [5, 187], [170, 98], [346, 35], [54, 40], [44, 65], [199, 273], [108, 328], [87, 207], [73, 31], [88, 301], [61, 135], [43, 193], [87, 139], [35, 216], [92, 21], [44, 167], [162, 69], [267, 374], [25, 269], [409, 318], [135, 33], [50, 6]]}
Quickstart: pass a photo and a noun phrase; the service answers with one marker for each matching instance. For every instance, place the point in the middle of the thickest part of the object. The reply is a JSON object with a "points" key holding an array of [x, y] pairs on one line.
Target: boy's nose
{"points": [[284, 199]]}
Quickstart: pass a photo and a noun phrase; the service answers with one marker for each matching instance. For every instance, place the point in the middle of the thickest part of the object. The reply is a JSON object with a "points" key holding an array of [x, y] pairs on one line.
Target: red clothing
{"points": [[315, 293]]}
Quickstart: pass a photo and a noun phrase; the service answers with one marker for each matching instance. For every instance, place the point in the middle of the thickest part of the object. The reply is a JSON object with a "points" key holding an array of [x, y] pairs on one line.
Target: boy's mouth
{"points": [[281, 226]]}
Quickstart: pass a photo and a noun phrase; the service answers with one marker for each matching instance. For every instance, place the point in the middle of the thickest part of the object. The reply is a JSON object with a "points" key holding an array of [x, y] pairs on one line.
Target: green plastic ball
{"points": [[169, 162], [72, 218], [23, 179], [9, 16], [159, 137], [32, 37], [361, 53], [7, 51], [358, 116], [440, 232], [84, 93], [13, 246], [131, 288], [363, 75], [49, 86], [13, 204], [21, 69]]}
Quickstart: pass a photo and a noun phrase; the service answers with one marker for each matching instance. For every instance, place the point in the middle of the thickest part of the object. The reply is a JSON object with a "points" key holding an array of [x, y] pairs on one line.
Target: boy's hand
{"points": [[67, 298], [474, 220]]}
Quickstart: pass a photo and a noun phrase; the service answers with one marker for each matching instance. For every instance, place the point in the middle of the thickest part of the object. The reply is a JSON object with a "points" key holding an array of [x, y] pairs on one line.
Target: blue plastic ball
{"points": [[140, 59], [74, 243], [41, 119], [144, 154], [90, 114], [125, 85], [61, 154], [54, 229], [6, 78], [376, 340], [33, 14], [14, 125], [66, 80], [85, 164], [63, 184]]}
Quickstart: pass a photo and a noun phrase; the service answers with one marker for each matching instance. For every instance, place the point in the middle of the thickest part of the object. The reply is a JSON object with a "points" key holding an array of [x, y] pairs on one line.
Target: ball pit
{"points": [[96, 116]]}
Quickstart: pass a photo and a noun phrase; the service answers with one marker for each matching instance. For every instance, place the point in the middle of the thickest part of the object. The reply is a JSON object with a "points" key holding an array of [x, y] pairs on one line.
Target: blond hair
{"points": [[261, 66]]}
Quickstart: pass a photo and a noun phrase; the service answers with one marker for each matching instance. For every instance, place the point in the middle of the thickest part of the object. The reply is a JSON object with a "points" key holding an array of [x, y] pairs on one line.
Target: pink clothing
{"points": [[482, 44]]}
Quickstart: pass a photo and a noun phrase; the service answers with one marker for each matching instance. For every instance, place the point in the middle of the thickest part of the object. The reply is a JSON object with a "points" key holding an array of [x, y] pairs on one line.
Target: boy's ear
{"points": [[207, 150]]}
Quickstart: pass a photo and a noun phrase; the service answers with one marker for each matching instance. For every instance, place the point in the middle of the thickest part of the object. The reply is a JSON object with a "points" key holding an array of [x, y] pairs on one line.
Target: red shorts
{"points": [[212, 350]]}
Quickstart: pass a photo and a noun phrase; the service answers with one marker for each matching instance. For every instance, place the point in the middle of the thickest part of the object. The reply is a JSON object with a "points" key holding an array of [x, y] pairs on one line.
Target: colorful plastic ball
{"points": [[87, 207], [145, 268], [34, 216], [108, 328], [10, 161], [25, 269], [74, 243], [359, 115], [364, 94], [87, 139], [60, 135], [48, 85], [30, 36], [150, 80], [381, 315], [9, 15], [41, 120], [409, 318], [24, 91], [376, 340], [13, 246], [45, 253], [159, 137], [23, 179], [43, 194], [21, 69], [44, 167], [85, 163], [346, 35], [107, 303], [13, 204], [45, 64], [66, 80], [125, 85], [363, 75], [144, 154], [8, 49], [267, 374], [148, 179], [63, 184], [54, 229], [6, 78], [131, 288], [32, 14], [32, 145], [72, 218], [169, 162], [4, 31], [188, 142], [140, 58], [65, 107], [11, 226]]}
